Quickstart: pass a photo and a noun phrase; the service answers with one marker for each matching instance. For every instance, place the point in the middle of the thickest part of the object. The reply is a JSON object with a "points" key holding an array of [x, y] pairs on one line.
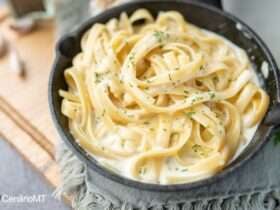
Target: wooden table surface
{"points": [[25, 120]]}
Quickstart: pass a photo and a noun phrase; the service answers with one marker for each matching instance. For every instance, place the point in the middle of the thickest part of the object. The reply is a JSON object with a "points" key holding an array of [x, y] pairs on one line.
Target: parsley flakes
{"points": [[131, 58], [201, 68], [212, 95], [276, 138], [160, 36], [197, 98], [196, 147], [215, 79], [142, 171], [190, 114], [97, 77], [169, 76]]}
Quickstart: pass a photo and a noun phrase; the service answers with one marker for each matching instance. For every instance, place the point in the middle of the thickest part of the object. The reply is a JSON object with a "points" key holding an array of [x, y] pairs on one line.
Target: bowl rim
{"points": [[93, 163]]}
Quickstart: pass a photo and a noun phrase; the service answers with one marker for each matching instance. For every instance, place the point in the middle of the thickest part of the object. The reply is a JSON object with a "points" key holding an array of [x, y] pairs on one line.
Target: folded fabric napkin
{"points": [[255, 186]]}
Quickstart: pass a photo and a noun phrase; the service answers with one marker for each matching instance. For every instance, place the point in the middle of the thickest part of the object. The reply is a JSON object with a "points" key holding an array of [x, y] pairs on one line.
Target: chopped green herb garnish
{"points": [[197, 98], [146, 123], [212, 95], [143, 171], [276, 138], [184, 170], [186, 92], [164, 129], [160, 36], [169, 76], [215, 79], [201, 68], [190, 114], [196, 147], [97, 77], [131, 58]]}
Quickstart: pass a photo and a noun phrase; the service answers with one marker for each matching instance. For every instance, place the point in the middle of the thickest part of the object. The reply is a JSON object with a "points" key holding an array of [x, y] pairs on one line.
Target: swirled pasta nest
{"points": [[160, 100]]}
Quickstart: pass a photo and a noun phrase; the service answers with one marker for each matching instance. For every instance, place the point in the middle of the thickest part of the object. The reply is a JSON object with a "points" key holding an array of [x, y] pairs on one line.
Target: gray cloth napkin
{"points": [[255, 186]]}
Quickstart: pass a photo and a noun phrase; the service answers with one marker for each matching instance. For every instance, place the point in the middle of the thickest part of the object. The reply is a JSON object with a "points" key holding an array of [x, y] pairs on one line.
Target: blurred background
{"points": [[28, 31], [262, 16]]}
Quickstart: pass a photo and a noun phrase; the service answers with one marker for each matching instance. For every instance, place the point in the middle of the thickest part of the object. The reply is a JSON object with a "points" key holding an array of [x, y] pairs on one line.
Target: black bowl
{"points": [[201, 15]]}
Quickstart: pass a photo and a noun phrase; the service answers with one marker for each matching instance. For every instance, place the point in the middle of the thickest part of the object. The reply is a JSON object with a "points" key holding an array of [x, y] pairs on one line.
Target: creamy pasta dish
{"points": [[160, 100]]}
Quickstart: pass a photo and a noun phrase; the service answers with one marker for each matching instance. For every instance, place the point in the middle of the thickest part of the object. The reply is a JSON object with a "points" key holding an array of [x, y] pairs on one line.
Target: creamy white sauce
{"points": [[265, 69]]}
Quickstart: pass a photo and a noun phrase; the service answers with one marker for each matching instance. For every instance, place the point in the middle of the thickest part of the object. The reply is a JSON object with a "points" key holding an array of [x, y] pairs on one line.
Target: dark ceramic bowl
{"points": [[204, 16]]}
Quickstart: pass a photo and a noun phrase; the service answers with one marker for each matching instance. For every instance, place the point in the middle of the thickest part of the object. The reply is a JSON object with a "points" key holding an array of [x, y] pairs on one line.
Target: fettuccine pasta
{"points": [[160, 100]]}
